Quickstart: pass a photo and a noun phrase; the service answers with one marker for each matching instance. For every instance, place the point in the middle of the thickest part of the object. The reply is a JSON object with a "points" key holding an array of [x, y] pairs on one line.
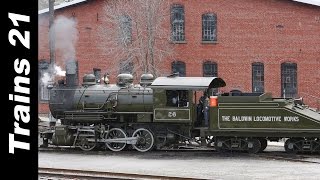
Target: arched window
{"points": [[257, 77], [180, 67], [210, 69], [289, 80], [177, 23], [209, 27]]}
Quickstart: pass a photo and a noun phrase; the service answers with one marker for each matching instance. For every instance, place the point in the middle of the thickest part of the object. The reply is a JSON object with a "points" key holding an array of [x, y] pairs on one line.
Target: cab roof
{"points": [[187, 83]]}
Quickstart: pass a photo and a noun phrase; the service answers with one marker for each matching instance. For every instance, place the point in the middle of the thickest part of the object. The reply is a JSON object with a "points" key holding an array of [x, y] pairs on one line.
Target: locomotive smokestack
{"points": [[72, 73]]}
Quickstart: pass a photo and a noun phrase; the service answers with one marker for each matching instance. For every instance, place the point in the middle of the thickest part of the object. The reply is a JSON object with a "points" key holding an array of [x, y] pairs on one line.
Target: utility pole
{"points": [[52, 122], [51, 36]]}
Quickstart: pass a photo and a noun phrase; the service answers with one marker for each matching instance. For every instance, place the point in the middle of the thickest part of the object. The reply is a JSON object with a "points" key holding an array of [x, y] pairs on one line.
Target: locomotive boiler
{"points": [[165, 113], [101, 101]]}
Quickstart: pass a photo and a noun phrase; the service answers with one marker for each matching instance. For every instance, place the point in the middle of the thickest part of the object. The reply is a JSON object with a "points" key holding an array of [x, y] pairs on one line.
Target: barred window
{"points": [[179, 67], [210, 69], [125, 29], [43, 80], [258, 77], [209, 27], [289, 80], [177, 23], [126, 66]]}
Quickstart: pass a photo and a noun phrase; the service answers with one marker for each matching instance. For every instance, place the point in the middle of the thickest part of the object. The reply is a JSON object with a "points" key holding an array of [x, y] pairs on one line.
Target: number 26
{"points": [[172, 114]]}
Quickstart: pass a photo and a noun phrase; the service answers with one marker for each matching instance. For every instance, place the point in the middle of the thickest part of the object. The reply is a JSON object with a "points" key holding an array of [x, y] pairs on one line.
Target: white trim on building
{"points": [[62, 5]]}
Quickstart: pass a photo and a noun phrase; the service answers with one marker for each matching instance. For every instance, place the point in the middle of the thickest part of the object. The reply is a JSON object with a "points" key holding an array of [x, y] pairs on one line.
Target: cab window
{"points": [[177, 98]]}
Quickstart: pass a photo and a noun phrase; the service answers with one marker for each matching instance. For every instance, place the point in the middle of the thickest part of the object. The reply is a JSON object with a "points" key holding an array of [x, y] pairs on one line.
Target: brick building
{"points": [[254, 45]]}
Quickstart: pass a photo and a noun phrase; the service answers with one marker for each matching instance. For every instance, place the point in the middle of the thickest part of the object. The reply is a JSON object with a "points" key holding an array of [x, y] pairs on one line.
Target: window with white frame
{"points": [[258, 77], [209, 27], [289, 80], [210, 69], [177, 23], [179, 67]]}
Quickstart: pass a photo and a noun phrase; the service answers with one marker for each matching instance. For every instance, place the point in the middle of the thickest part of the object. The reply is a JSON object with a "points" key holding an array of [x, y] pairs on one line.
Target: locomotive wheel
{"points": [[264, 144], [115, 133], [254, 146], [290, 146], [86, 145], [145, 140], [219, 145]]}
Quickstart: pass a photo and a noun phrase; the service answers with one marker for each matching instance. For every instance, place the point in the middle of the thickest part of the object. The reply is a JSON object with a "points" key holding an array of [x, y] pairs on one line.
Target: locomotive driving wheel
{"points": [[86, 145], [145, 140], [115, 133]]}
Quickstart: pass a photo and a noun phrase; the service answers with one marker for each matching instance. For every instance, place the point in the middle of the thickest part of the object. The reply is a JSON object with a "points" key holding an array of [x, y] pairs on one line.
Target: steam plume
{"points": [[66, 36]]}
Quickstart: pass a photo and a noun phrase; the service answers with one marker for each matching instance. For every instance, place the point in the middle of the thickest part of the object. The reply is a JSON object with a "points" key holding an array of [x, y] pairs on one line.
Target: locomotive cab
{"points": [[175, 98]]}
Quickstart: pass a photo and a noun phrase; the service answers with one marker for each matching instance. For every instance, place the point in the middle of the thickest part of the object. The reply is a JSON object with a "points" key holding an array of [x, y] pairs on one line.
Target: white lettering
{"points": [[225, 118], [23, 112], [241, 118], [291, 119], [268, 118], [16, 144], [23, 65]]}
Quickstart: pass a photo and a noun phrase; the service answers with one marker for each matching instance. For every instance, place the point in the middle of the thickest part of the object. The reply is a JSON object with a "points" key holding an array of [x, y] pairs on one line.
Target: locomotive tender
{"points": [[165, 113]]}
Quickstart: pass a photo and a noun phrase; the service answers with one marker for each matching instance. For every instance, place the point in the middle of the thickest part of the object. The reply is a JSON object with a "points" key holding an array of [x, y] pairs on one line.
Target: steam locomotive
{"points": [[165, 113]]}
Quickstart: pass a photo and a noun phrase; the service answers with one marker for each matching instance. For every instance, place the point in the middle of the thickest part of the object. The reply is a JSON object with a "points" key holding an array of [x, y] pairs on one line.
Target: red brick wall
{"points": [[271, 32]]}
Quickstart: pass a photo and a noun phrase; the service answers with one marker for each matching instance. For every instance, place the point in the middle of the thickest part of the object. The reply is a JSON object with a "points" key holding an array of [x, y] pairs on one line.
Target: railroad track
{"points": [[52, 173], [270, 155], [289, 157]]}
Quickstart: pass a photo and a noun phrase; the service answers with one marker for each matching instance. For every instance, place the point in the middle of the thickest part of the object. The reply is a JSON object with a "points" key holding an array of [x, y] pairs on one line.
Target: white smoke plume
{"points": [[58, 71], [66, 37], [47, 77]]}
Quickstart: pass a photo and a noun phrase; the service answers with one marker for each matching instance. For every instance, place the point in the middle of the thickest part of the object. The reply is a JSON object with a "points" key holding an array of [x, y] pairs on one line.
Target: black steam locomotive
{"points": [[166, 113]]}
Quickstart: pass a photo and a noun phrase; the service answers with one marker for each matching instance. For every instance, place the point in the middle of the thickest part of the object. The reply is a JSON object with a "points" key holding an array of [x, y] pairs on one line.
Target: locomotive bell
{"points": [[89, 79], [124, 80]]}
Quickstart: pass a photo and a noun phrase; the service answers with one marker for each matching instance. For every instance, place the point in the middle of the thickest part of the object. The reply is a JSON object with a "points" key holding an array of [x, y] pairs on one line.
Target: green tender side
{"points": [[262, 114]]}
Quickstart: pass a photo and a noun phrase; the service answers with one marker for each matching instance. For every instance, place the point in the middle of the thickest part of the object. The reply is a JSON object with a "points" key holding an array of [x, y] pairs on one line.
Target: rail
{"points": [[85, 174]]}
